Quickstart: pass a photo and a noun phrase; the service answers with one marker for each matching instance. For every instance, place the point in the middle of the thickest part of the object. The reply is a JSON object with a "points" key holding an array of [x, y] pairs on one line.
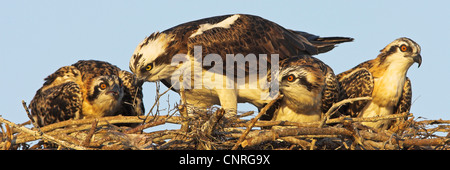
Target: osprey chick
{"points": [[384, 79], [86, 89], [309, 87]]}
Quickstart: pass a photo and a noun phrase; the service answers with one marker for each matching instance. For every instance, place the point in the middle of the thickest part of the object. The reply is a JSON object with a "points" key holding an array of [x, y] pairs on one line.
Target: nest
{"points": [[210, 130]]}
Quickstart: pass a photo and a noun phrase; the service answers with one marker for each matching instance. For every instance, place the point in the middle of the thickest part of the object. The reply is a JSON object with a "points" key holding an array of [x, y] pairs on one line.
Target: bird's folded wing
{"points": [[355, 83]]}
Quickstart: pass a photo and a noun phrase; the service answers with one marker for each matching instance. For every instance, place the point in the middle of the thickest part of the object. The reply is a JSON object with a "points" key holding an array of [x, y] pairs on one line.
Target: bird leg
{"points": [[228, 101]]}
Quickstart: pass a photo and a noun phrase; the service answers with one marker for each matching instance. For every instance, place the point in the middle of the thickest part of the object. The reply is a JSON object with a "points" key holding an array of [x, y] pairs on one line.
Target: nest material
{"points": [[209, 130]]}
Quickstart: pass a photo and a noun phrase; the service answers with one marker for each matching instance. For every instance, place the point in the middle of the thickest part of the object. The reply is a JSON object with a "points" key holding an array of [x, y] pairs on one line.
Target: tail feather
{"points": [[323, 44]]}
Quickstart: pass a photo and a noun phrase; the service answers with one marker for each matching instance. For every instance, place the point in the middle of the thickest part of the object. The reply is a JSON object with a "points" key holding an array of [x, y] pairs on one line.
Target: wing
{"points": [[247, 34], [250, 34], [62, 75], [404, 104], [357, 82], [57, 103], [132, 100], [330, 94]]}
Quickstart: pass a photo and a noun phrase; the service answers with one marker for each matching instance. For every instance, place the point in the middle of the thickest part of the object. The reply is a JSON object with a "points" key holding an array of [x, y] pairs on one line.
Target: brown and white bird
{"points": [[309, 88], [208, 43], [86, 89], [384, 79]]}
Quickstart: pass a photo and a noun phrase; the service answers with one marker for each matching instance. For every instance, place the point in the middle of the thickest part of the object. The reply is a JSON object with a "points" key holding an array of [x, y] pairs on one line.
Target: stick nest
{"points": [[210, 130]]}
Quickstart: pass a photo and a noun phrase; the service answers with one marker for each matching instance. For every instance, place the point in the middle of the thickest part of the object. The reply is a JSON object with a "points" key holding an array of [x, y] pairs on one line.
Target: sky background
{"points": [[38, 37]]}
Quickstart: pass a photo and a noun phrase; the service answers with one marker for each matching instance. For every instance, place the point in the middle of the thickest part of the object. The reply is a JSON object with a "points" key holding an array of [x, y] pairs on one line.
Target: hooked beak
{"points": [[418, 59], [114, 91], [139, 82]]}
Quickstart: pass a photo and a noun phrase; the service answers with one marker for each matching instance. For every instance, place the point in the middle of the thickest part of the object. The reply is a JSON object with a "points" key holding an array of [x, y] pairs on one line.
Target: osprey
{"points": [[86, 89], [384, 79], [209, 53], [309, 88]]}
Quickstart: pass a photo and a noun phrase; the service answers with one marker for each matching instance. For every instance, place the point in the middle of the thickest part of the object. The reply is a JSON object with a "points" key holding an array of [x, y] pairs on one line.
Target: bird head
{"points": [[301, 83], [151, 60], [402, 50], [105, 92]]}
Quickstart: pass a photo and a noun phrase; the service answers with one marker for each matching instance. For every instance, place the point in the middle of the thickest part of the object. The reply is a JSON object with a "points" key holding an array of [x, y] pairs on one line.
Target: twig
{"points": [[262, 123], [336, 107], [270, 135], [84, 124], [9, 138], [296, 141], [209, 125], [368, 119], [432, 122], [105, 120], [44, 136], [145, 126], [254, 120], [245, 114], [24, 104], [158, 96], [90, 134]]}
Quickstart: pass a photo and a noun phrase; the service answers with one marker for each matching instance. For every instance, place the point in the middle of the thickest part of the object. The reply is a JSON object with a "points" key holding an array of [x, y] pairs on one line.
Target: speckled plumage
{"points": [[86, 89]]}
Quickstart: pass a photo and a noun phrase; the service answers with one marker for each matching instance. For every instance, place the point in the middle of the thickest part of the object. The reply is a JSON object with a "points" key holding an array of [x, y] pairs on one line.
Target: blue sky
{"points": [[38, 37]]}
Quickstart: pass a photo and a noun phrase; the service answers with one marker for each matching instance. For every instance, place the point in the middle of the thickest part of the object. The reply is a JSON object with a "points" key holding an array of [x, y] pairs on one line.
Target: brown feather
{"points": [[357, 82], [57, 103], [404, 104], [64, 93]]}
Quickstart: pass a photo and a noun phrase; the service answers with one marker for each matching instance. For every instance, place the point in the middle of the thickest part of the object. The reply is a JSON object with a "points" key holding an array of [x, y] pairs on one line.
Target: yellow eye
{"points": [[149, 67], [290, 78], [103, 86], [403, 48]]}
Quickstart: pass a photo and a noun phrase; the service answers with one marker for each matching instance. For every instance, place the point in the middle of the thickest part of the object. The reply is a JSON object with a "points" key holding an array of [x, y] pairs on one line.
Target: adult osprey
{"points": [[203, 46], [88, 88], [384, 79]]}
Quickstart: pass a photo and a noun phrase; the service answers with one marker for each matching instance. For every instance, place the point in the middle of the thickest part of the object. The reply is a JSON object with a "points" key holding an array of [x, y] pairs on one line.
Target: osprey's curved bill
{"points": [[86, 89], [384, 79], [309, 88], [222, 35]]}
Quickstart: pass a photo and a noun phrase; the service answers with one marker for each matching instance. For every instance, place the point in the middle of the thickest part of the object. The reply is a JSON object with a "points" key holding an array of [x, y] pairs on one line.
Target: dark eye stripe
{"points": [[405, 48], [94, 95], [305, 82]]}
